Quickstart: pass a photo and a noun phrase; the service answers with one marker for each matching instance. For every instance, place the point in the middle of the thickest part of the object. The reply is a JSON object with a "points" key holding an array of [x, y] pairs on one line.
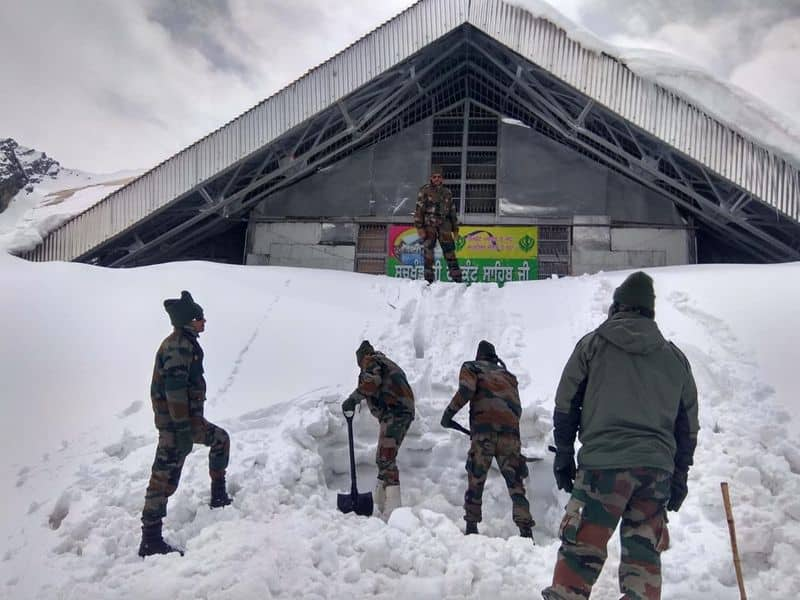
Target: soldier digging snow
{"points": [[178, 392], [435, 219], [631, 395], [390, 400], [494, 414]]}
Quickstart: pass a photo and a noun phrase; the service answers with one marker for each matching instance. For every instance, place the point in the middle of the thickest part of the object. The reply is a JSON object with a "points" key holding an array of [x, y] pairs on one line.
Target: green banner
{"points": [[485, 254]]}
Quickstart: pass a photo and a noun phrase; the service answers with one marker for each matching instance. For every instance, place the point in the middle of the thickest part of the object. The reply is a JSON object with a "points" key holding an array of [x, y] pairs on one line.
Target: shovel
{"points": [[361, 504], [464, 430]]}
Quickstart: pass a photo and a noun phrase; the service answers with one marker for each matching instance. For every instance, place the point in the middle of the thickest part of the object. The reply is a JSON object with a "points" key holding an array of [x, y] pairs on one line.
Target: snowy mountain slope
{"points": [[76, 362], [41, 194]]}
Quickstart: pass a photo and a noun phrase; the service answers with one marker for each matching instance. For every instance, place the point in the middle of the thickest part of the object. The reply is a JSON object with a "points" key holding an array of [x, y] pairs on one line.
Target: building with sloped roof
{"points": [[593, 166]]}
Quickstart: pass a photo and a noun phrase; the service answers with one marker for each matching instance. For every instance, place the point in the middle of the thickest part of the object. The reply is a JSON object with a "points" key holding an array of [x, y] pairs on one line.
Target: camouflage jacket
{"points": [[385, 388], [491, 390], [178, 388], [435, 208]]}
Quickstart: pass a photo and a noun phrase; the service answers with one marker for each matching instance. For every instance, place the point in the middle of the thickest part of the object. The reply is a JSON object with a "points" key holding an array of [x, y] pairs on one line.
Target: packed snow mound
{"points": [[280, 359]]}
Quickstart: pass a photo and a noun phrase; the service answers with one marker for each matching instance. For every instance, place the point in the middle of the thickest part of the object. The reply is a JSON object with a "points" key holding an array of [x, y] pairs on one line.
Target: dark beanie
{"points": [[183, 310], [486, 351], [636, 291], [364, 349]]}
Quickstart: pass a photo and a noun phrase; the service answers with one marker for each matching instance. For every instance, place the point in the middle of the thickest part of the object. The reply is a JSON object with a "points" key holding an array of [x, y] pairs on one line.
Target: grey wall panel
{"points": [[340, 190], [538, 177], [381, 180], [400, 166]]}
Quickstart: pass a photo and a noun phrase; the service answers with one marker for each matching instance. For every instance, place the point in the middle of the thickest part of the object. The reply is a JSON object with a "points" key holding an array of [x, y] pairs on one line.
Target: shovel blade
{"points": [[361, 504]]}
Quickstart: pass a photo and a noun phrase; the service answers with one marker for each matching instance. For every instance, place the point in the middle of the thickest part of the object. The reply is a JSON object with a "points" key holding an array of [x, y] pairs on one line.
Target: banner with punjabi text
{"points": [[485, 254]]}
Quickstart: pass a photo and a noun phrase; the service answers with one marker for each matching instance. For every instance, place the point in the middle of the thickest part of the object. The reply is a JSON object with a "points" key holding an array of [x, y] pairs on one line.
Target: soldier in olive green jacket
{"points": [[631, 396]]}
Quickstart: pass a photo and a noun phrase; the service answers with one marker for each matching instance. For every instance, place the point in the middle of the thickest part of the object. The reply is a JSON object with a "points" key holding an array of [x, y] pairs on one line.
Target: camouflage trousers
{"points": [[445, 239], [393, 430], [599, 499], [168, 464], [505, 448]]}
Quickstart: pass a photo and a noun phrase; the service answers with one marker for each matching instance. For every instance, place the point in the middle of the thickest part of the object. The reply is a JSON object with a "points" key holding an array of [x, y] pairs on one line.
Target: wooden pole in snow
{"points": [[732, 530]]}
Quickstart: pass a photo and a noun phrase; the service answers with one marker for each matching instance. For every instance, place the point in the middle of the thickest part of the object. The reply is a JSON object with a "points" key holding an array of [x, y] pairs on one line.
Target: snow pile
{"points": [[280, 359], [728, 103]]}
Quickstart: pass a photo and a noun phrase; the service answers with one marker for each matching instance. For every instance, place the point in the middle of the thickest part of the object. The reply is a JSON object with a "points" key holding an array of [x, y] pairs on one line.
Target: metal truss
{"points": [[465, 64], [518, 88]]}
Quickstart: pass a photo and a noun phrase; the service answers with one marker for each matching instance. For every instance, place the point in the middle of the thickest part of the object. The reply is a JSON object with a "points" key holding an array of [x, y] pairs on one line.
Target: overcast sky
{"points": [[102, 85]]}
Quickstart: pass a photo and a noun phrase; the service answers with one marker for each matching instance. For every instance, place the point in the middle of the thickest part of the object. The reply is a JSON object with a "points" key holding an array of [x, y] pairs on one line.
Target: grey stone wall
{"points": [[317, 245]]}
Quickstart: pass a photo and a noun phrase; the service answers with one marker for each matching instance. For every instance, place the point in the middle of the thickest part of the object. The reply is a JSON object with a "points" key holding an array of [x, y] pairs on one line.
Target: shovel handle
{"points": [[354, 488]]}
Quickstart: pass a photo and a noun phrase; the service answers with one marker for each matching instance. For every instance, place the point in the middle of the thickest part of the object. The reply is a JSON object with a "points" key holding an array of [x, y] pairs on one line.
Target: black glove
{"points": [[447, 418], [183, 440], [350, 404], [678, 489], [564, 469]]}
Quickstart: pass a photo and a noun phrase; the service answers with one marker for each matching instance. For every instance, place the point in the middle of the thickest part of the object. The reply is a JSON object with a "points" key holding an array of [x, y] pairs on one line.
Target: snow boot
{"points": [[526, 532], [472, 528], [393, 499], [379, 495], [153, 543], [219, 497]]}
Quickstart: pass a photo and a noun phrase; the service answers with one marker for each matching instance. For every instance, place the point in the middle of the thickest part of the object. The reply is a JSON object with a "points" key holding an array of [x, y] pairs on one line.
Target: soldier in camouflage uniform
{"points": [[178, 392], [494, 414], [631, 395], [435, 219], [390, 400]]}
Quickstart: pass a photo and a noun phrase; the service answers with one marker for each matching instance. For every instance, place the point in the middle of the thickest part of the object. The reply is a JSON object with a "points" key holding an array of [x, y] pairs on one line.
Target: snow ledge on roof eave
{"points": [[742, 112]]}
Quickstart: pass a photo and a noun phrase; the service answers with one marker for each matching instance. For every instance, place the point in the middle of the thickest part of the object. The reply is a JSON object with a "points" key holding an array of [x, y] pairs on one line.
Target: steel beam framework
{"points": [[465, 65]]}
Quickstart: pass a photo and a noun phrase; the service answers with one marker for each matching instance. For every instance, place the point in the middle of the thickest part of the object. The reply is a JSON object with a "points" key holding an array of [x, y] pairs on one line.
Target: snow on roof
{"points": [[726, 102]]}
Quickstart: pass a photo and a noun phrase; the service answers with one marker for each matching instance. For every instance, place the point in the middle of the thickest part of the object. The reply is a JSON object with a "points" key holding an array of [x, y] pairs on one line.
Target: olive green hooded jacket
{"points": [[632, 396]]}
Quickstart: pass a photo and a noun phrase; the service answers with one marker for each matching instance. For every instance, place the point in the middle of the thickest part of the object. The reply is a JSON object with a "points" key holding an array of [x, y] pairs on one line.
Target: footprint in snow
{"points": [[60, 511]]}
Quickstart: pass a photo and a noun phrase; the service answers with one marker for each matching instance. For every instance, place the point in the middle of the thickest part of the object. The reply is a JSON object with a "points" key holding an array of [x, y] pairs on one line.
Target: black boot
{"points": [[153, 543], [526, 532], [472, 527], [219, 497]]}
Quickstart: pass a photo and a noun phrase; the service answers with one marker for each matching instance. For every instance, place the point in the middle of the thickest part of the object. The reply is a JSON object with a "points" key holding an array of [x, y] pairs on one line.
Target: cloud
{"points": [[745, 42], [772, 70], [105, 86], [121, 85]]}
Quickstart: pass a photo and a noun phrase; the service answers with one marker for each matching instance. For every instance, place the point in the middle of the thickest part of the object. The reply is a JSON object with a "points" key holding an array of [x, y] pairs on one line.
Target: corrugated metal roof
{"points": [[652, 108]]}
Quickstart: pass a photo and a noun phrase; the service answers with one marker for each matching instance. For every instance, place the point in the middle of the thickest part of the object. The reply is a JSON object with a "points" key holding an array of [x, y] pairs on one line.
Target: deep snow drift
{"points": [[76, 359]]}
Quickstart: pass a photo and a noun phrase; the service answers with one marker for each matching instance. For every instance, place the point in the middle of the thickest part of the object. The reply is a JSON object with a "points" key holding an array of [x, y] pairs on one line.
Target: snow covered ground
{"points": [[75, 362]]}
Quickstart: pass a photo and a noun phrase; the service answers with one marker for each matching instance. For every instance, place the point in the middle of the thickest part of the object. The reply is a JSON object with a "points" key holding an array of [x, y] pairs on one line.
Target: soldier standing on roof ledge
{"points": [[436, 220], [178, 393]]}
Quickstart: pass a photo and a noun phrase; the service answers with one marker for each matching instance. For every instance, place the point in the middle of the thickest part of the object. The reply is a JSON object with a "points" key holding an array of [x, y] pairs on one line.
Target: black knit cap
{"points": [[636, 291], [486, 351], [183, 310], [364, 349]]}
